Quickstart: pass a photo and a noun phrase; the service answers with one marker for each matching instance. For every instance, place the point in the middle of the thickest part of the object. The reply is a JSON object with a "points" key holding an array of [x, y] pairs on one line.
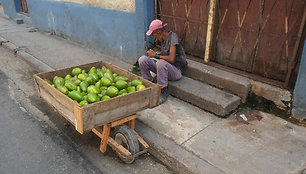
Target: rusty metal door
{"points": [[24, 6], [259, 36], [188, 18]]}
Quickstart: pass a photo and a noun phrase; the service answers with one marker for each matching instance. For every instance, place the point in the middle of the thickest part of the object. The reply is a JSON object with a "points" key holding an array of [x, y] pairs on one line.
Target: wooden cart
{"points": [[116, 114]]}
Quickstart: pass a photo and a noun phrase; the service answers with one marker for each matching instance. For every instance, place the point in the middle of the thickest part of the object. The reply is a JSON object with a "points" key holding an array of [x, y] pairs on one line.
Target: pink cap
{"points": [[155, 24]]}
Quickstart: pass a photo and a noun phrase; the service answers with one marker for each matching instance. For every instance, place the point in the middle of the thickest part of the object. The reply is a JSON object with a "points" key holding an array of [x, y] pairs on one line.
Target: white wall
{"points": [[122, 5]]}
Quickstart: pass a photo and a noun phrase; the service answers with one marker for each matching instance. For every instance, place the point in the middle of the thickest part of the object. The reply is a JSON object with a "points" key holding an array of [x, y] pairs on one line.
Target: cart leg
{"points": [[132, 124], [104, 138]]}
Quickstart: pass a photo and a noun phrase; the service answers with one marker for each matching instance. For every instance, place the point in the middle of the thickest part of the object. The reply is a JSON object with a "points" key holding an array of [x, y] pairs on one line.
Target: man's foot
{"points": [[163, 95]]}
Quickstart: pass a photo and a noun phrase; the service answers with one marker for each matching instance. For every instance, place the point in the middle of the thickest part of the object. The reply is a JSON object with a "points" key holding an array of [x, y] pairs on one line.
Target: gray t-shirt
{"points": [[171, 40]]}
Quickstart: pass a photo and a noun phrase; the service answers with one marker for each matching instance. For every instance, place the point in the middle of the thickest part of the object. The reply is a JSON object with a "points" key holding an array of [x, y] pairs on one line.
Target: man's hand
{"points": [[151, 53]]}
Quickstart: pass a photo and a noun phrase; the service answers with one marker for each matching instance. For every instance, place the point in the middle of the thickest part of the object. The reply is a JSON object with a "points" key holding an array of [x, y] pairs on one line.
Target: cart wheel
{"points": [[124, 136]]}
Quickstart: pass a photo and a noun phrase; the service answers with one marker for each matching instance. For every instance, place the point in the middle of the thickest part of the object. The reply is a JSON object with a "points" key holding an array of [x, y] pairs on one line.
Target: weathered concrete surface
{"points": [[204, 96], [171, 154], [170, 120], [222, 79], [263, 144], [280, 97]]}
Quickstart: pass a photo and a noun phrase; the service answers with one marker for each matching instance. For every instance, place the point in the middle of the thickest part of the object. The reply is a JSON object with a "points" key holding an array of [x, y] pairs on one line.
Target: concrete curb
{"points": [[172, 155], [41, 66]]}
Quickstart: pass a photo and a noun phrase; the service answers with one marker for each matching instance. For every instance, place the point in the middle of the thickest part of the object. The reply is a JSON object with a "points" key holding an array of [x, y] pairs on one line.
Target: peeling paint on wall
{"points": [[122, 5]]}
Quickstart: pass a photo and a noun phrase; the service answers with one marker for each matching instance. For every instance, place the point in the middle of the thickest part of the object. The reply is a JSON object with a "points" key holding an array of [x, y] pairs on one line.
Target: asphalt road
{"points": [[33, 138], [29, 146]]}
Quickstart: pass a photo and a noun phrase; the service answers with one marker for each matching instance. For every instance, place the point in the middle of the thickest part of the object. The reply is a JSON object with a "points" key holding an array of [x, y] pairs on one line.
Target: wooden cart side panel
{"points": [[78, 113], [62, 103], [113, 109], [155, 95]]}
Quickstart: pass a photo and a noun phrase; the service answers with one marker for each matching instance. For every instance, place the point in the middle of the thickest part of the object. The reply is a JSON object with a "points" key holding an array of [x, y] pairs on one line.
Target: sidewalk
{"points": [[184, 137]]}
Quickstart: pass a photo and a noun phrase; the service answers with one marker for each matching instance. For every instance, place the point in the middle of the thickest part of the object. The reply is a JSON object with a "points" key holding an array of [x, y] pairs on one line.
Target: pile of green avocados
{"points": [[95, 85]]}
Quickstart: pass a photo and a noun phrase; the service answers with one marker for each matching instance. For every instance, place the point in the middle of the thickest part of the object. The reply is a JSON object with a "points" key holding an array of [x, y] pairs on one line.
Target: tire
{"points": [[124, 136]]}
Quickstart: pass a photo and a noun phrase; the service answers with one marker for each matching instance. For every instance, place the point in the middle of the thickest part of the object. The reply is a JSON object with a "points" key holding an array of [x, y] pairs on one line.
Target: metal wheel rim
{"points": [[120, 139]]}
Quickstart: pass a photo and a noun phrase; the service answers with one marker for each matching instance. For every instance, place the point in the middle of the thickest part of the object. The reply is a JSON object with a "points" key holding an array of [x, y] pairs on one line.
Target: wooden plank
{"points": [[97, 114], [105, 138], [78, 114], [210, 29], [123, 120], [143, 143], [98, 132], [155, 95], [118, 148], [62, 103], [132, 124]]}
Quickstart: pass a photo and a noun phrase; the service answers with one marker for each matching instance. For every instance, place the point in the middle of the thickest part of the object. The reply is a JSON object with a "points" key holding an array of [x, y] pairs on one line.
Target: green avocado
{"points": [[121, 78], [92, 97], [70, 85], [131, 89], [79, 89], [92, 70], [67, 77], [136, 82], [98, 84], [112, 91], [63, 89], [76, 71], [100, 74], [115, 75], [84, 85], [93, 89], [109, 75], [90, 81], [105, 81], [54, 78], [76, 95], [122, 92], [105, 97], [121, 84], [94, 76], [75, 81], [81, 77], [84, 103], [109, 71], [59, 81]]}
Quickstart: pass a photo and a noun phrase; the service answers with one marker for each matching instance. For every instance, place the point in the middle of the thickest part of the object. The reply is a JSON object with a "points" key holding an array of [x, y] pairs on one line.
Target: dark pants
{"points": [[164, 70]]}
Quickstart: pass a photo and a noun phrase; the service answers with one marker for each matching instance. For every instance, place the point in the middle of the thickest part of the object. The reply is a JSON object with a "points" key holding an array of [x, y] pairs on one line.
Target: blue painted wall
{"points": [[116, 33], [299, 94], [11, 7]]}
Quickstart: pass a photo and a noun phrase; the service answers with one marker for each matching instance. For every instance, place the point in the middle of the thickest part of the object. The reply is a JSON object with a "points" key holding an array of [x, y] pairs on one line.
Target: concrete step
{"points": [[233, 83], [204, 96]]}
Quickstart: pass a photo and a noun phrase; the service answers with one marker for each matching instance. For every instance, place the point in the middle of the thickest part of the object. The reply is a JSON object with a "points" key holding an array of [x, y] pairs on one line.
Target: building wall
{"points": [[299, 93], [11, 7], [113, 30]]}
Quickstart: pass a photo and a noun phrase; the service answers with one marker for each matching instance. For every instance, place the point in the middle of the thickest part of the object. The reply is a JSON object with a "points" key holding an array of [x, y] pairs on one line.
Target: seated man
{"points": [[169, 64]]}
